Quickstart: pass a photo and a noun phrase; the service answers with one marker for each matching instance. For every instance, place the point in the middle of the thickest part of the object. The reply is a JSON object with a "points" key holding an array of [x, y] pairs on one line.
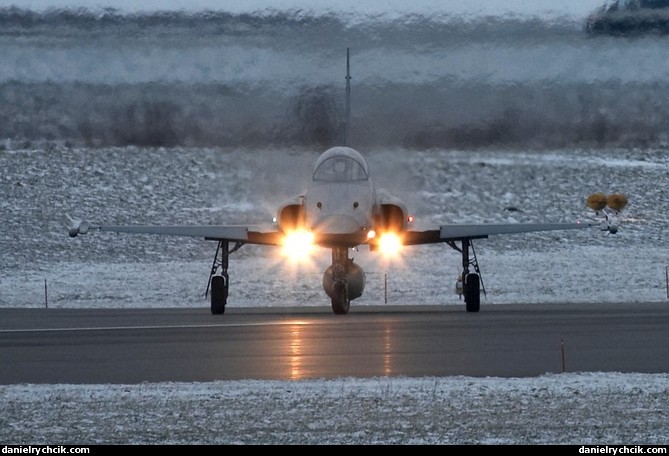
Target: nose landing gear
{"points": [[340, 301], [343, 281]]}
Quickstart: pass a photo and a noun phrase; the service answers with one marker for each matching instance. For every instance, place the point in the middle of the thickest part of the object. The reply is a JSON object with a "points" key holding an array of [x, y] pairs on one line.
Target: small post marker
{"points": [[564, 366]]}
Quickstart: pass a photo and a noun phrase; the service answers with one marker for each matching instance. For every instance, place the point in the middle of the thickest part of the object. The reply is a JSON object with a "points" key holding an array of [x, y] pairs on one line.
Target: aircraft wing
{"points": [[447, 233], [237, 233]]}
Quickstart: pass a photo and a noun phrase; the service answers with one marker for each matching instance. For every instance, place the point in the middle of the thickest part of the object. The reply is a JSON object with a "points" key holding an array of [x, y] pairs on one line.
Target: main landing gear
{"points": [[472, 283], [220, 284], [344, 280]]}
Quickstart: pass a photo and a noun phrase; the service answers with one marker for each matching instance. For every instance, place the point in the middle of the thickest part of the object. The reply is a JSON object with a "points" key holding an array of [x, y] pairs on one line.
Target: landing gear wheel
{"points": [[472, 292], [219, 294], [340, 303]]}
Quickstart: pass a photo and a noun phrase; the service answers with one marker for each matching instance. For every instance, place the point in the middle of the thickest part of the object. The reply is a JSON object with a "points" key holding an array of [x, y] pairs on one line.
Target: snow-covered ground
{"points": [[586, 408], [216, 186], [386, 7]]}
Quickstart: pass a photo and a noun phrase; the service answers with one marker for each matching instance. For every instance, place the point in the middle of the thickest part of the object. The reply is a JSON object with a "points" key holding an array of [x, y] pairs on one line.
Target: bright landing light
{"points": [[298, 245], [390, 244]]}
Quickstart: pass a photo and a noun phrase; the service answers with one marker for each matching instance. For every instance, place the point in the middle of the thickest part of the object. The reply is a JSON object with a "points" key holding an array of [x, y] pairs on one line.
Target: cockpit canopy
{"points": [[341, 164]]}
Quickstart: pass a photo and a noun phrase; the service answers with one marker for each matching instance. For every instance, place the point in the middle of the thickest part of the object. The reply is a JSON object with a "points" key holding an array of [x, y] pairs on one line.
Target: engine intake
{"points": [[391, 218], [291, 217]]}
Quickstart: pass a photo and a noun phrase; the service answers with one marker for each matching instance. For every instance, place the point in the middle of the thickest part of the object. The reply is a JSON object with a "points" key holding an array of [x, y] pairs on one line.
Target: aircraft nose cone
{"points": [[337, 224]]}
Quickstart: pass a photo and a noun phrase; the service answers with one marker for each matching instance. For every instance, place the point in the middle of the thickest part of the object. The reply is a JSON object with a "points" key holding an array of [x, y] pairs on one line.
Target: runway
{"points": [[152, 345]]}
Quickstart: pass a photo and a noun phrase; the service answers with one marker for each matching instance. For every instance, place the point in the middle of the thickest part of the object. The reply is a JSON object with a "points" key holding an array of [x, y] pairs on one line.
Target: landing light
{"points": [[371, 234], [298, 245], [390, 244]]}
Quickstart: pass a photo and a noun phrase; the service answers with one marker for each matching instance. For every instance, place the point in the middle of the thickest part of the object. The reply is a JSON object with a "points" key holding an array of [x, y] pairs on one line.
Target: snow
{"points": [[374, 8], [578, 408]]}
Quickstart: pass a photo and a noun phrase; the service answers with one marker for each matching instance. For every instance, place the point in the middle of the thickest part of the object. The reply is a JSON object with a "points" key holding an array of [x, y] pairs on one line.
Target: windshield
{"points": [[340, 169]]}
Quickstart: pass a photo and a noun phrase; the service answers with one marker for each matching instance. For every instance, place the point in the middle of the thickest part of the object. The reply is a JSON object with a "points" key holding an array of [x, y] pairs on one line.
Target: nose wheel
{"points": [[338, 290], [340, 302]]}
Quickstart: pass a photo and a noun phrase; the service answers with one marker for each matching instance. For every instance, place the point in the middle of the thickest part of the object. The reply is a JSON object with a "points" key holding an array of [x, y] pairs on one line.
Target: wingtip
{"points": [[72, 225], [77, 227]]}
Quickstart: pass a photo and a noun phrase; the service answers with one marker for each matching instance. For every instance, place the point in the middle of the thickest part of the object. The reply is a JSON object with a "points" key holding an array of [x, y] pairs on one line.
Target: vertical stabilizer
{"points": [[347, 119]]}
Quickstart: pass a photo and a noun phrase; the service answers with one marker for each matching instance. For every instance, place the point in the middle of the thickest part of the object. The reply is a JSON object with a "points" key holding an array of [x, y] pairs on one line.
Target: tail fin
{"points": [[347, 119]]}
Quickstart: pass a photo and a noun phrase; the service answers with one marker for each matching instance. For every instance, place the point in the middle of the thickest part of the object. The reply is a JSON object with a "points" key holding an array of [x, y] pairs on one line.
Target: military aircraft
{"points": [[340, 210]]}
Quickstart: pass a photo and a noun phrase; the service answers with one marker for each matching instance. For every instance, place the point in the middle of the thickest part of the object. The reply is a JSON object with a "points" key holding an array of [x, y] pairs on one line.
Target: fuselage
{"points": [[341, 207]]}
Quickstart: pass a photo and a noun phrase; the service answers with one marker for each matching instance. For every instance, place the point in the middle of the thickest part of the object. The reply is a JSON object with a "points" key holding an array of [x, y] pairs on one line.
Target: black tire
{"points": [[340, 303], [472, 292], [219, 294]]}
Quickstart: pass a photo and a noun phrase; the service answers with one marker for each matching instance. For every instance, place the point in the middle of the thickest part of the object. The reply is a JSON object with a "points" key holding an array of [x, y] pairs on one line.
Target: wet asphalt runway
{"points": [[152, 345]]}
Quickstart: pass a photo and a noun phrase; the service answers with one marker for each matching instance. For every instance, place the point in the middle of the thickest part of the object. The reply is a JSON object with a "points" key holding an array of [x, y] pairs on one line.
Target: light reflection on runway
{"points": [[387, 350], [301, 338], [296, 350]]}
